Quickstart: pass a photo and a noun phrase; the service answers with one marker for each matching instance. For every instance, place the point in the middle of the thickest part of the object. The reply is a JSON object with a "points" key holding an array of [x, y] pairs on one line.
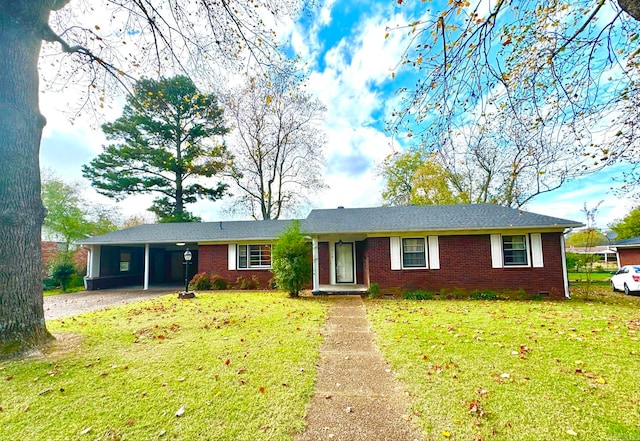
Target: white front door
{"points": [[344, 262]]}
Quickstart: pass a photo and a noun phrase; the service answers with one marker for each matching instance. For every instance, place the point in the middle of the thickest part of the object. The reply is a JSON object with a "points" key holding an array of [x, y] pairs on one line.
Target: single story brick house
{"points": [[471, 246], [628, 251]]}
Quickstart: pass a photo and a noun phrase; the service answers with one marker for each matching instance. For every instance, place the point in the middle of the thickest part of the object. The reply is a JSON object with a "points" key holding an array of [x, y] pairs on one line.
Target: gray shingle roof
{"points": [[428, 218], [628, 242], [341, 221], [193, 232]]}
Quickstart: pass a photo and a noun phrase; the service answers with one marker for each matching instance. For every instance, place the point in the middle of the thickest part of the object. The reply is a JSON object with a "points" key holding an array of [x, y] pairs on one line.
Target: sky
{"points": [[350, 64]]}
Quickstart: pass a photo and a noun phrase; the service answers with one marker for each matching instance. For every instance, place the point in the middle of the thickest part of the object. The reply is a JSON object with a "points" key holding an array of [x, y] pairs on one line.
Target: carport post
{"points": [[316, 265], [146, 266]]}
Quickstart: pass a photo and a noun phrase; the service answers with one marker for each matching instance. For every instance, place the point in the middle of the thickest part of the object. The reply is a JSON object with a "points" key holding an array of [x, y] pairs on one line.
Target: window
{"points": [[514, 249], [254, 256], [413, 255], [125, 261]]}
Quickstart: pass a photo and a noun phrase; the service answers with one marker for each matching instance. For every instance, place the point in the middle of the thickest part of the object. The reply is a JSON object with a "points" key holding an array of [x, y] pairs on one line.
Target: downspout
{"points": [[565, 274]]}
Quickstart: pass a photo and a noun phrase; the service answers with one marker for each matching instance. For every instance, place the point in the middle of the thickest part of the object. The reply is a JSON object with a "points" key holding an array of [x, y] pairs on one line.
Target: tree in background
{"points": [[150, 36], [70, 217], [586, 238], [629, 226], [291, 260], [167, 132], [277, 144], [534, 92], [411, 179]]}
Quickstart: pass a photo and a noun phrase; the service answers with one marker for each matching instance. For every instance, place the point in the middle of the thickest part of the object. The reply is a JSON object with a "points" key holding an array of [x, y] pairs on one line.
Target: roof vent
{"points": [[340, 207], [220, 225]]}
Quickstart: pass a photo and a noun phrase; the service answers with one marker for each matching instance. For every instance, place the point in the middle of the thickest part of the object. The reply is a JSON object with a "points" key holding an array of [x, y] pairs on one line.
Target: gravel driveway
{"points": [[66, 305]]}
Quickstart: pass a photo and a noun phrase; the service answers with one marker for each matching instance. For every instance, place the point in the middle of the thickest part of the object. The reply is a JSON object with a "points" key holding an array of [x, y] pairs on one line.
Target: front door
{"points": [[344, 262]]}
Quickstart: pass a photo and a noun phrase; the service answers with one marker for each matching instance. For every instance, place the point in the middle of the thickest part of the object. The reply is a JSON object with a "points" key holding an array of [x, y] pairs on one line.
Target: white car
{"points": [[627, 279]]}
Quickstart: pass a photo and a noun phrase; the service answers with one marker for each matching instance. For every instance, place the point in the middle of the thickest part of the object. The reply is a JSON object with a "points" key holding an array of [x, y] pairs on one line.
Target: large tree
{"points": [[138, 35], [629, 226], [412, 179], [168, 143], [561, 79], [69, 216], [277, 144]]}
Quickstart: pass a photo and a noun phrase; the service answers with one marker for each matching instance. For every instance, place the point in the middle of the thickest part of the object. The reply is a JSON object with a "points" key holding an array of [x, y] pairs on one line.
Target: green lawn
{"points": [[240, 365], [602, 276], [517, 370], [55, 292]]}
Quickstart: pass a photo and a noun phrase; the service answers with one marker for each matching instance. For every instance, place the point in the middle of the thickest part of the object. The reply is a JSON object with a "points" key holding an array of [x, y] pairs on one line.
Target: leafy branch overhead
{"points": [[167, 134], [559, 80]]}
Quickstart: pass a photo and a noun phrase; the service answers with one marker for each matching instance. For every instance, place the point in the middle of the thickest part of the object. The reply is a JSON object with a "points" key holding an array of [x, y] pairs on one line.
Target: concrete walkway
{"points": [[356, 396]]}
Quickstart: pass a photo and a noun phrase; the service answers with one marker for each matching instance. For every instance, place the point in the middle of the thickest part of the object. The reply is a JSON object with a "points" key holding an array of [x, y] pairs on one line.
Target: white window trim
{"points": [[434, 252], [231, 257], [260, 267], [497, 251], [425, 251], [396, 253], [537, 256]]}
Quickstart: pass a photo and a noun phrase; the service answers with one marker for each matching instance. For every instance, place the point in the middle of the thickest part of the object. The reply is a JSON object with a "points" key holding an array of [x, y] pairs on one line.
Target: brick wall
{"points": [[629, 256], [213, 260], [465, 263], [50, 249]]}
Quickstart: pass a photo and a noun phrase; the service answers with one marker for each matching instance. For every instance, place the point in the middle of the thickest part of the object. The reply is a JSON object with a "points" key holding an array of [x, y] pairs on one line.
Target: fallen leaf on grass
{"points": [[446, 434], [261, 389], [85, 431]]}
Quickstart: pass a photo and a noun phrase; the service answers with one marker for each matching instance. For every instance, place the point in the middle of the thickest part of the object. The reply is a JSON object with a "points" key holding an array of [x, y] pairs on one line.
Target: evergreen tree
{"points": [[167, 137]]}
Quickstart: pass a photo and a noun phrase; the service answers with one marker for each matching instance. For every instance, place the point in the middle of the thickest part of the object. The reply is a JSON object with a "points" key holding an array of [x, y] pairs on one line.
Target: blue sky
{"points": [[350, 63]]}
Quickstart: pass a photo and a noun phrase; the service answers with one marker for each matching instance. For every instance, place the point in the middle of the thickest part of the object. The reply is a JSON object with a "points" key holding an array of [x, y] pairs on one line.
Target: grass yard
{"points": [[233, 366], [517, 370]]}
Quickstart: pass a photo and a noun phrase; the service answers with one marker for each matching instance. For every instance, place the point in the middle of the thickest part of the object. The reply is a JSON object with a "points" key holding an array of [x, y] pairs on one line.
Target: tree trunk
{"points": [[631, 7], [22, 321]]}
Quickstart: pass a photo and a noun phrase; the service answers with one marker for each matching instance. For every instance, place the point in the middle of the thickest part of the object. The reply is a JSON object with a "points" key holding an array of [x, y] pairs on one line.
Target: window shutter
{"points": [[232, 257], [434, 252], [536, 250], [396, 253], [496, 251]]}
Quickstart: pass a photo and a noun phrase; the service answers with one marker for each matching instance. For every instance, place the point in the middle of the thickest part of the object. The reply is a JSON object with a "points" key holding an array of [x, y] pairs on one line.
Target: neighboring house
{"points": [[478, 246], [603, 252], [50, 249], [628, 251]]}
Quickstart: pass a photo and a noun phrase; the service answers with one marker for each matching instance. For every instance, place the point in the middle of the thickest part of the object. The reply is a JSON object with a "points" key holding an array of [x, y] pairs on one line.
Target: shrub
{"points": [[291, 260], [201, 282], [62, 272], [244, 284], [417, 295], [374, 291], [218, 282], [483, 295]]}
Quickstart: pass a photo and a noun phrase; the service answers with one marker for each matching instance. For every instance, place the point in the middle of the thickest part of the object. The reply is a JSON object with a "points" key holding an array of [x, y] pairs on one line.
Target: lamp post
{"points": [[186, 294]]}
